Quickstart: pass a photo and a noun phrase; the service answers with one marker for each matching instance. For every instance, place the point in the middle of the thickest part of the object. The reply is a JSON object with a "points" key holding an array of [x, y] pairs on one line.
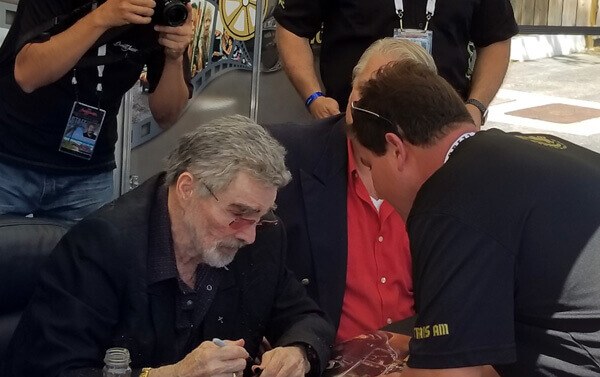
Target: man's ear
{"points": [[396, 146], [185, 185]]}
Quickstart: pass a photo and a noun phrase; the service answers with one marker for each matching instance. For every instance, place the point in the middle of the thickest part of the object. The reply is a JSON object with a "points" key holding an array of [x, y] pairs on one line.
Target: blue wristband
{"points": [[312, 97]]}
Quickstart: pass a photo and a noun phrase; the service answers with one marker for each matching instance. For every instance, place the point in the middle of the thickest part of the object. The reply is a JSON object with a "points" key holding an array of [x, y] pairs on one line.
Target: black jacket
{"points": [[313, 208], [93, 295]]}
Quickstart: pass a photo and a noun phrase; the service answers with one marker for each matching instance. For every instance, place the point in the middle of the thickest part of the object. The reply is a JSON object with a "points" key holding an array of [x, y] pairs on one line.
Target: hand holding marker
{"points": [[221, 343]]}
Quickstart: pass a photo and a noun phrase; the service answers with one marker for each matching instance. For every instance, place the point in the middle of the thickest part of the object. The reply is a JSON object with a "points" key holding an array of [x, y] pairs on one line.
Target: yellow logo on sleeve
{"points": [[425, 332]]}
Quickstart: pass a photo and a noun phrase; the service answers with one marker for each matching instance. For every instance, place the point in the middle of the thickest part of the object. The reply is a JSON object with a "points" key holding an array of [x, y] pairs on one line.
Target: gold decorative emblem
{"points": [[239, 17], [543, 140]]}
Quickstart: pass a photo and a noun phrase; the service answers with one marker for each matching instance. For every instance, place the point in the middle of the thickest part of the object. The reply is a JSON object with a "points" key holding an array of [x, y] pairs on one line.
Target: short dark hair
{"points": [[420, 106]]}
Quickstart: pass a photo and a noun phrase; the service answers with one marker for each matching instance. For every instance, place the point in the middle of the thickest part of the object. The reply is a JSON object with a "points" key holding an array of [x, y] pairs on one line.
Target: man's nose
{"points": [[247, 234]]}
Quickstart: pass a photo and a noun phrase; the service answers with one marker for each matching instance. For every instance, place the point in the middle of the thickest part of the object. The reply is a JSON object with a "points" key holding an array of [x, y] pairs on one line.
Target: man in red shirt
{"points": [[346, 246]]}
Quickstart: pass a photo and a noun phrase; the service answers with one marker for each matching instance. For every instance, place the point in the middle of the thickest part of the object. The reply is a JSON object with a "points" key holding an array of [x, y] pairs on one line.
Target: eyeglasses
{"points": [[240, 222], [354, 108]]}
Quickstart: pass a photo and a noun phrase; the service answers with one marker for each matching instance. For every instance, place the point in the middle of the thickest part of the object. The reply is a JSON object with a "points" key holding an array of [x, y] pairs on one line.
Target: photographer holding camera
{"points": [[69, 61]]}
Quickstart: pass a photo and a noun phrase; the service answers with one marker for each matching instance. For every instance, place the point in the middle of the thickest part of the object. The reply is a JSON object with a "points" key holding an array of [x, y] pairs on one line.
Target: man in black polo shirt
{"points": [[504, 232], [55, 78], [350, 26]]}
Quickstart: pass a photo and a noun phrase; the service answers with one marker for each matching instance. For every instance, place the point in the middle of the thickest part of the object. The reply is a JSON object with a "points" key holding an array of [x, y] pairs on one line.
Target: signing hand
{"points": [[210, 360], [323, 107], [176, 39], [113, 13], [284, 362]]}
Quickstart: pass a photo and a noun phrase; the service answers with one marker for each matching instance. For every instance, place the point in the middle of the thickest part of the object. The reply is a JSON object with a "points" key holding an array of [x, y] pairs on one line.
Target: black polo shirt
{"points": [[350, 26]]}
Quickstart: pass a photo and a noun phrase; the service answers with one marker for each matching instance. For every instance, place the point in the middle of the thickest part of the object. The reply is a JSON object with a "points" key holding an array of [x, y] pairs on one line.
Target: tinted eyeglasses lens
{"points": [[240, 222]]}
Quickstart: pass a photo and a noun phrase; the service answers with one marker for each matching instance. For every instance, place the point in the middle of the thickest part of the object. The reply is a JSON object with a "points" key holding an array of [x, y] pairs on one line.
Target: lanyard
{"points": [[100, 68], [429, 11]]}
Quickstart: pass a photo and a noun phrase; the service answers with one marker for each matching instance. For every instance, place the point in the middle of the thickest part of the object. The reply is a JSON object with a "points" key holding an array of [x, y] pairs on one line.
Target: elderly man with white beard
{"points": [[193, 254]]}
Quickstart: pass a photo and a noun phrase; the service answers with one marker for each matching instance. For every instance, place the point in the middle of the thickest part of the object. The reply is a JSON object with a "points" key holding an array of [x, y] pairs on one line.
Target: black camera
{"points": [[170, 12]]}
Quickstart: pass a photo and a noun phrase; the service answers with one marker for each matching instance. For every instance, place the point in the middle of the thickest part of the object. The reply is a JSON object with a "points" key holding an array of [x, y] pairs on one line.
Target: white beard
{"points": [[218, 255], [221, 254]]}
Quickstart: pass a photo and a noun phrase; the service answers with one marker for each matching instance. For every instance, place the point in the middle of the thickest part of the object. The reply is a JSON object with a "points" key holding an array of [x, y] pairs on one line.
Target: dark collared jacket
{"points": [[93, 294]]}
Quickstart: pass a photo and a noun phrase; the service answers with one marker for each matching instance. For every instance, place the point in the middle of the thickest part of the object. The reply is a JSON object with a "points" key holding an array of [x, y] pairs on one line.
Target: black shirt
{"points": [[32, 125], [191, 305], [350, 26], [505, 240]]}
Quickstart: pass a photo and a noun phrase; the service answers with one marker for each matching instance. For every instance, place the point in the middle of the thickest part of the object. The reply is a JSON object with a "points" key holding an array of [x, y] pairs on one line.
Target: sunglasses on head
{"points": [[355, 108]]}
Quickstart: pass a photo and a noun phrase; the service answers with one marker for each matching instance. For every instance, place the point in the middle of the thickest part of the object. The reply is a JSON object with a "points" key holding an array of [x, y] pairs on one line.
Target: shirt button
{"points": [[380, 239], [305, 281], [189, 302], [389, 321], [209, 287], [383, 280]]}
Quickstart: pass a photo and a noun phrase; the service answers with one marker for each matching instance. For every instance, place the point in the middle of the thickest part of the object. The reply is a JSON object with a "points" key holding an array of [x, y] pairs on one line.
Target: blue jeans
{"points": [[67, 197]]}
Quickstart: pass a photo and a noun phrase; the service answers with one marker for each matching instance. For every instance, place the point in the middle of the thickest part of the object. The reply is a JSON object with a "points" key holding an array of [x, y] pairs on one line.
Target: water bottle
{"points": [[116, 363]]}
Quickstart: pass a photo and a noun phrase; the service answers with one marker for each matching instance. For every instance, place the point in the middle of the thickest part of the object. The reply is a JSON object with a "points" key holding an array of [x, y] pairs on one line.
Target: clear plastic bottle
{"points": [[116, 363]]}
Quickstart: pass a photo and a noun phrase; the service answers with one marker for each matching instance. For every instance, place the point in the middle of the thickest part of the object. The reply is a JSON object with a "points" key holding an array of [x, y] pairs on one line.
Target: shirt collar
{"points": [[454, 145], [161, 255], [351, 163]]}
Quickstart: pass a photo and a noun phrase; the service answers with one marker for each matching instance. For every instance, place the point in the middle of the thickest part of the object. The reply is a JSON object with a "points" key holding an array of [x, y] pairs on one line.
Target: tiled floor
{"points": [[560, 96], [542, 112], [558, 113]]}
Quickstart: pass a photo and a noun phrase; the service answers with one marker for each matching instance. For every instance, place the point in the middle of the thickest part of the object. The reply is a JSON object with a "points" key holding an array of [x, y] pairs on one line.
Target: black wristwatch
{"points": [[482, 108]]}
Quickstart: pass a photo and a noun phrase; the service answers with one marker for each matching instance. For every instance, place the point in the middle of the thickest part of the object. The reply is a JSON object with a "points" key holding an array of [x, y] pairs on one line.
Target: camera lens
{"points": [[175, 13]]}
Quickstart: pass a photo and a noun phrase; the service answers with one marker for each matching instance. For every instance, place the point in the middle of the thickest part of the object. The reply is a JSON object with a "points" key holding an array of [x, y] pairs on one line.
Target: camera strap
{"points": [[60, 23], [96, 60], [43, 31]]}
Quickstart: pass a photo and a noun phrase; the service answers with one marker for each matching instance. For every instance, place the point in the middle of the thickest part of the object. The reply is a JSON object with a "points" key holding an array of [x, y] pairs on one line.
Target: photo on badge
{"points": [[82, 130], [423, 38]]}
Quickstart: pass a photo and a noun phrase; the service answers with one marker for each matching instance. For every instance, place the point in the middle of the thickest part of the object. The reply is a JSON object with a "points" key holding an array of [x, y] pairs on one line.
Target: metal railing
{"points": [[559, 30]]}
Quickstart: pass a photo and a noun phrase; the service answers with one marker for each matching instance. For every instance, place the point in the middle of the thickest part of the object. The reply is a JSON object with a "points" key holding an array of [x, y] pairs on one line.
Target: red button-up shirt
{"points": [[378, 277]]}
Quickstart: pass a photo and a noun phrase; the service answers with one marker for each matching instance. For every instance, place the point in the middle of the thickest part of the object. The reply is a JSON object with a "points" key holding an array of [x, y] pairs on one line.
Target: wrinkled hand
{"points": [[284, 362], [323, 107], [210, 360], [176, 39], [113, 13]]}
